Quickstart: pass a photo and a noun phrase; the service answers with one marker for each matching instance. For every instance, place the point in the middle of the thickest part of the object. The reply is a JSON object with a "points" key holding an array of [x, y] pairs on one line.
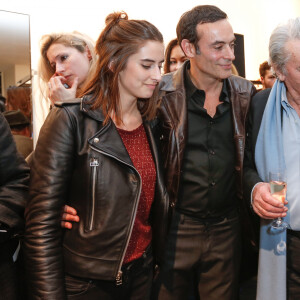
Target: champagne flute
{"points": [[278, 191]]}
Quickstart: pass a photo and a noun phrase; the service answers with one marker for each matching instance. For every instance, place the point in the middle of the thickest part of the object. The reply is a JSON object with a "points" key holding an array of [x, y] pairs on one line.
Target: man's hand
{"points": [[69, 215], [266, 206]]}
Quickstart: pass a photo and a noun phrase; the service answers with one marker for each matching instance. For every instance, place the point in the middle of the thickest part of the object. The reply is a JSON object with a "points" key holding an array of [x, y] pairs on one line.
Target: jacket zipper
{"points": [[119, 280], [94, 163]]}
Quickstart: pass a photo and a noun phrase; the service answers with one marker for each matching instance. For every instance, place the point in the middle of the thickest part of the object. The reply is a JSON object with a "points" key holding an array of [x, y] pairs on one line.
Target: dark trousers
{"points": [[293, 266], [206, 253], [137, 282]]}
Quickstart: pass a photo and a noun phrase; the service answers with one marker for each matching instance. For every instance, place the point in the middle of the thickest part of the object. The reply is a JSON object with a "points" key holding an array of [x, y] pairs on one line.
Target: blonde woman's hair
{"points": [[74, 39]]}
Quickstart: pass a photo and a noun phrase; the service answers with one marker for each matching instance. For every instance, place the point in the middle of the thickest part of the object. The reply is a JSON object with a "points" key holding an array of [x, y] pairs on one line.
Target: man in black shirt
{"points": [[202, 113]]}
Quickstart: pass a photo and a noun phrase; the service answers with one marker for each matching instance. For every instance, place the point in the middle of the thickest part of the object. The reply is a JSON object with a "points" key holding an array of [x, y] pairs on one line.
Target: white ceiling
{"points": [[14, 39]]}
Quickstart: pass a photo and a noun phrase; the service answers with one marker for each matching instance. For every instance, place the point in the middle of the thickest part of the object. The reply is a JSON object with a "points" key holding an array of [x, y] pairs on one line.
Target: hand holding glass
{"points": [[278, 191]]}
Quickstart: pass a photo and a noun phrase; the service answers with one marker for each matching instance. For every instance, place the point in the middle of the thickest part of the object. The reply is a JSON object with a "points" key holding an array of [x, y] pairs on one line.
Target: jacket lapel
{"points": [[107, 140]]}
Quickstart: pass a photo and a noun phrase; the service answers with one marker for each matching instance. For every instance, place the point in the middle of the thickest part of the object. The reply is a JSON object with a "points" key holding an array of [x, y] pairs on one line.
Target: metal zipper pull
{"points": [[94, 162], [119, 278]]}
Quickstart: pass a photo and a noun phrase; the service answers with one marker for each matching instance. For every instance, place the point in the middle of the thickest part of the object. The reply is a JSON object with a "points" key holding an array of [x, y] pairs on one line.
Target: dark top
{"points": [[256, 112], [208, 176], [2, 106], [14, 178]]}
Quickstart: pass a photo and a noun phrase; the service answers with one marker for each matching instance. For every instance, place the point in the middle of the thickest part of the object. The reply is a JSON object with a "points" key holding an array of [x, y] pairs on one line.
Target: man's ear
{"points": [[188, 48], [279, 73]]}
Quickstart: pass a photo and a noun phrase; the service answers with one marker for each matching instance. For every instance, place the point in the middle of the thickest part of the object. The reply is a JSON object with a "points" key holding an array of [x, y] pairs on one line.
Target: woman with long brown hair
{"points": [[99, 155]]}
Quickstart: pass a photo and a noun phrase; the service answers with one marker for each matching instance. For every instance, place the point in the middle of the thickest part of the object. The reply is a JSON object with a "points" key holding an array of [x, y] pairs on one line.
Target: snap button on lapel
{"points": [[96, 140]]}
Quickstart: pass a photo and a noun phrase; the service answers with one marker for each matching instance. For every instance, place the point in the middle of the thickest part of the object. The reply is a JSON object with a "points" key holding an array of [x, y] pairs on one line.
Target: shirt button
{"points": [[172, 205], [96, 140], [212, 152], [212, 183], [211, 122]]}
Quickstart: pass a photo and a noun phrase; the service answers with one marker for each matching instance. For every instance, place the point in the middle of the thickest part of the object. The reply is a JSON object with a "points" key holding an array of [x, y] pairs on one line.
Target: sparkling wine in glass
{"points": [[278, 191]]}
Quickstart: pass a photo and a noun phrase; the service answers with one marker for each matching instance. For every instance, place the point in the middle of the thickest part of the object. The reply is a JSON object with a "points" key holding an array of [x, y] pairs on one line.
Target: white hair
{"points": [[283, 33]]}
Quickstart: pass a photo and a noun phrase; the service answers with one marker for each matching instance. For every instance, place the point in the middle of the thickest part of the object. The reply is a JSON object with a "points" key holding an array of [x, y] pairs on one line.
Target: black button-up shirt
{"points": [[207, 188]]}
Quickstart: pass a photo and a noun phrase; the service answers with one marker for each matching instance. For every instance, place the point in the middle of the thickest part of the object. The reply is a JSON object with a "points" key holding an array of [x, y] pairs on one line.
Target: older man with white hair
{"points": [[274, 143]]}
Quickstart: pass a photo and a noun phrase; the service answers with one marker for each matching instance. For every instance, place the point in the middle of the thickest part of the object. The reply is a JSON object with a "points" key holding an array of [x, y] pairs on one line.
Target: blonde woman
{"points": [[66, 62]]}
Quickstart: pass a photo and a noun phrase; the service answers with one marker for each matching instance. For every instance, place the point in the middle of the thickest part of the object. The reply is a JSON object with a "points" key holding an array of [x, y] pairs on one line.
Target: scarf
{"points": [[269, 156]]}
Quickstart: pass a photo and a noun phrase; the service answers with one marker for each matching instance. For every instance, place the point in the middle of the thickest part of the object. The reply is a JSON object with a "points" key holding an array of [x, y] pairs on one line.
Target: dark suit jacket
{"points": [[251, 177], [257, 108]]}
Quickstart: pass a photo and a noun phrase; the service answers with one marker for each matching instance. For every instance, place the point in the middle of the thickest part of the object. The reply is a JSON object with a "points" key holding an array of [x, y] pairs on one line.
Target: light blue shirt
{"points": [[291, 141]]}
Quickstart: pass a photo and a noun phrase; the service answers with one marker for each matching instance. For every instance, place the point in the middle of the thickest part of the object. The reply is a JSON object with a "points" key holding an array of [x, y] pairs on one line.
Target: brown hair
{"points": [[19, 97], [168, 51], [120, 39], [263, 68], [186, 27]]}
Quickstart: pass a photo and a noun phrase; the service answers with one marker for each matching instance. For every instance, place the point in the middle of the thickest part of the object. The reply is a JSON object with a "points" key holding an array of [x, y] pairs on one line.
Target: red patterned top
{"points": [[137, 145]]}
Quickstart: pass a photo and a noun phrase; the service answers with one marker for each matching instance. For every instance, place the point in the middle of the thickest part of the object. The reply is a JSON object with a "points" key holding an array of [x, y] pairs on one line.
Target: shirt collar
{"points": [[284, 100], [191, 88], [283, 96]]}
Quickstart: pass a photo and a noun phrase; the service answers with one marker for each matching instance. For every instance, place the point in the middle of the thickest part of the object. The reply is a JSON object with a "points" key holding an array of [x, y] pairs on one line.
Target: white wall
{"points": [[8, 78], [21, 73], [255, 19]]}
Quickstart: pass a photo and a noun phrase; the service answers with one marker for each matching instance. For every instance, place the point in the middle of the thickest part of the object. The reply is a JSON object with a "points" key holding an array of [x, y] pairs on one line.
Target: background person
{"points": [[267, 75], [66, 62], [19, 97], [100, 156], [20, 128], [2, 103], [174, 57], [234, 70], [14, 178]]}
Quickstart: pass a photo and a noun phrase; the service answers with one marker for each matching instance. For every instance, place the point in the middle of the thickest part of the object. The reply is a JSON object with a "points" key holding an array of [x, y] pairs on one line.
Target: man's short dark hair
{"points": [[263, 68], [186, 27]]}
